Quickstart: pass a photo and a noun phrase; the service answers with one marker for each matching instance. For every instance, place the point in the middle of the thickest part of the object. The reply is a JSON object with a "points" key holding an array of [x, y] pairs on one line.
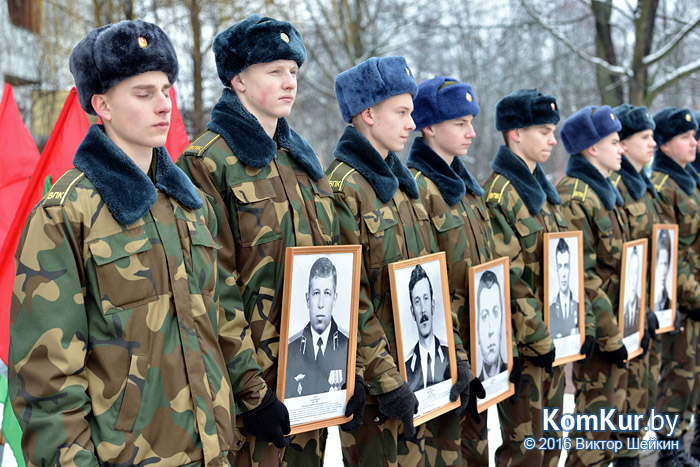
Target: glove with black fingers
{"points": [[543, 361], [587, 348], [461, 387], [645, 343], [401, 404], [476, 391], [617, 357], [652, 324], [515, 376], [269, 421], [356, 406]]}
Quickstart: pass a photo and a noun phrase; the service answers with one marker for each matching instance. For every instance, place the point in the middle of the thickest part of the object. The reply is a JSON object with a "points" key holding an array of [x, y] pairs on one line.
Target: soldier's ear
{"points": [[367, 116], [514, 134], [100, 103]]}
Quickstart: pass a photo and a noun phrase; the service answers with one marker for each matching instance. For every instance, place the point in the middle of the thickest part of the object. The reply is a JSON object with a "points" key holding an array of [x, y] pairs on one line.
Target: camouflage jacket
{"points": [[523, 207], [591, 204], [120, 352], [455, 205], [641, 206], [679, 198], [269, 196], [379, 208]]}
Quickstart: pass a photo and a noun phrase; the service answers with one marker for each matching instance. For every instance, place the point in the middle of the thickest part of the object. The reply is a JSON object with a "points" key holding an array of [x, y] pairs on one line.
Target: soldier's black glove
{"points": [[645, 343], [356, 406], [617, 357], [692, 314], [515, 376], [401, 404], [652, 324], [269, 421], [476, 391], [543, 361], [587, 348], [461, 387]]}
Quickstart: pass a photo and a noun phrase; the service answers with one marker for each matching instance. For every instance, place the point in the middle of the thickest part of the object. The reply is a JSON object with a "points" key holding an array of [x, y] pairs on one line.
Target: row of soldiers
{"points": [[147, 304]]}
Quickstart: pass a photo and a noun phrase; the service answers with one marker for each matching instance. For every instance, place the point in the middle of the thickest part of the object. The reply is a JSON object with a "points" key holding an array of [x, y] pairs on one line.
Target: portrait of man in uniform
{"points": [[428, 362], [563, 310], [632, 293], [317, 357], [490, 327], [662, 298]]}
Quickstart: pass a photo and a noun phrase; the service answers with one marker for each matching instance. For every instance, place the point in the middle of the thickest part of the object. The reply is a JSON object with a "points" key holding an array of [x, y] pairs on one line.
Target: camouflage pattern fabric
{"points": [[463, 232], [261, 212], [642, 214], [595, 383], [389, 232], [519, 235], [118, 336], [678, 375], [604, 232], [553, 388]]}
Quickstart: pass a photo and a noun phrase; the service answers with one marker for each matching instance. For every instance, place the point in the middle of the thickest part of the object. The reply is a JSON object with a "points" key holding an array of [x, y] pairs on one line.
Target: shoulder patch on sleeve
{"points": [[497, 188], [659, 180], [580, 190], [615, 178], [338, 175], [60, 190], [198, 146]]}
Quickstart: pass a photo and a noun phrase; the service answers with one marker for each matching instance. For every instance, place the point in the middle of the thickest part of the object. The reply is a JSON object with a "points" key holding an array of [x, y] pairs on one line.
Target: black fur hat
{"points": [[673, 121], [110, 54], [633, 119], [254, 40], [526, 107]]}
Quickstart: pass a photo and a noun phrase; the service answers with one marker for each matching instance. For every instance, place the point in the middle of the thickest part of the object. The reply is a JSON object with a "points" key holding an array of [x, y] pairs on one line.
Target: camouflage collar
{"points": [[385, 175], [579, 167], [686, 179], [249, 142], [534, 189], [637, 183], [453, 181], [125, 188]]}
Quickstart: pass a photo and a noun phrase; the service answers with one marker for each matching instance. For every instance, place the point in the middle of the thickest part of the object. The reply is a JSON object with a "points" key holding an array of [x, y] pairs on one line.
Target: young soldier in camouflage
{"points": [[379, 207], [125, 347], [444, 109], [676, 181], [523, 205], [591, 203], [639, 195], [269, 193]]}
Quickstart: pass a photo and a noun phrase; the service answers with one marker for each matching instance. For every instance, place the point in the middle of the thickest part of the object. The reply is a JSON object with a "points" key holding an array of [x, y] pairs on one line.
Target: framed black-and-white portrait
{"points": [[318, 337], [491, 330], [631, 313], [424, 333], [664, 252], [564, 300]]}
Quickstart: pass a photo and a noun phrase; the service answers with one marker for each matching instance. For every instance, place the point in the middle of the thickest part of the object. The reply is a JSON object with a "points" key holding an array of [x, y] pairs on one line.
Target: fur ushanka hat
{"points": [[671, 122], [633, 119], [254, 40], [442, 98], [372, 81], [586, 127], [526, 107], [110, 54]]}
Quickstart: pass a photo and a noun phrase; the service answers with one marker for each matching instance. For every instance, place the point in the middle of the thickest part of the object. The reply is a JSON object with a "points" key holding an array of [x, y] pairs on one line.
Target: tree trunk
{"points": [[610, 85]]}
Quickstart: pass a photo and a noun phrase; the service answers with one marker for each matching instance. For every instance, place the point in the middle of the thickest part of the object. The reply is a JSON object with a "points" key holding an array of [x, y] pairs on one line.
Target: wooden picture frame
{"points": [[420, 285], [631, 310], [482, 279], [316, 389], [563, 268], [664, 294]]}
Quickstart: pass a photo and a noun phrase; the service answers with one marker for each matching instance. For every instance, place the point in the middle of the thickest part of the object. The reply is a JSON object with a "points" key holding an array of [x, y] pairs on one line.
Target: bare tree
{"points": [[631, 68]]}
